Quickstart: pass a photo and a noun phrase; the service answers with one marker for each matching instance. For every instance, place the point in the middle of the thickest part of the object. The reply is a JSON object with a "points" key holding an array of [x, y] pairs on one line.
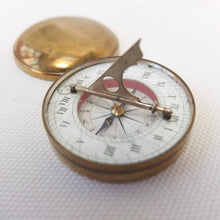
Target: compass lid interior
{"points": [[51, 47]]}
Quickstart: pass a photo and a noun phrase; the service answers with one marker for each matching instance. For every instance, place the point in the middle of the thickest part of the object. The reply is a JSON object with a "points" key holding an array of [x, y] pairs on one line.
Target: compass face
{"points": [[93, 110], [107, 132]]}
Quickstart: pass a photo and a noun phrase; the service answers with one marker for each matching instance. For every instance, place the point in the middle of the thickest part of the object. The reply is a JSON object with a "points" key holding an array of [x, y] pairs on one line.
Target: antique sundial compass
{"points": [[119, 119]]}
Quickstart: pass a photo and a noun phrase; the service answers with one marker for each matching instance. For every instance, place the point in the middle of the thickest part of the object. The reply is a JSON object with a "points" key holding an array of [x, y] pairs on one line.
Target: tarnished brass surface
{"points": [[49, 48]]}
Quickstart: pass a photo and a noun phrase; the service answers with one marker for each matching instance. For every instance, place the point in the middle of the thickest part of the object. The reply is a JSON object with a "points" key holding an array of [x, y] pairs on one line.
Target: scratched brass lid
{"points": [[49, 48]]}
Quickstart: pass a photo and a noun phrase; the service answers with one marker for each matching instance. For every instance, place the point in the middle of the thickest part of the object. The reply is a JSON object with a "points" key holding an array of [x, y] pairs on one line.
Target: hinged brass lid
{"points": [[49, 48]]}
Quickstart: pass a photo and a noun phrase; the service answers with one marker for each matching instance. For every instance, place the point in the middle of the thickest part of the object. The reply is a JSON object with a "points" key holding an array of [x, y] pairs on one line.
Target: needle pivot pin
{"points": [[117, 109]]}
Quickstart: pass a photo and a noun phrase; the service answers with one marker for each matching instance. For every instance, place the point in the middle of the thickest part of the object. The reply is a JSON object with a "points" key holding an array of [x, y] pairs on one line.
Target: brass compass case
{"points": [[117, 172]]}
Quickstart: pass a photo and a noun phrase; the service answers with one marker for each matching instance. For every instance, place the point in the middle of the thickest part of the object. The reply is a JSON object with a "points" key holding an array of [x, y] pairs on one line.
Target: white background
{"points": [[35, 184]]}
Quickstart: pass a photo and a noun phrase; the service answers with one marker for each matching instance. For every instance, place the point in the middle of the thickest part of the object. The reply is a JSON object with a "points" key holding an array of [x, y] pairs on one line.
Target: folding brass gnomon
{"points": [[131, 57]]}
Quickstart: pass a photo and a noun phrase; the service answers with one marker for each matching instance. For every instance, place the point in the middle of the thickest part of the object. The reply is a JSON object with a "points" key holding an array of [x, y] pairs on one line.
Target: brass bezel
{"points": [[118, 173]]}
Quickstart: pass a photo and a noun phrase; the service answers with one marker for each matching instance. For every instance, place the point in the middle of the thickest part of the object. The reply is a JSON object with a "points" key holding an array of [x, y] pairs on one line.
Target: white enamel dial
{"points": [[85, 126]]}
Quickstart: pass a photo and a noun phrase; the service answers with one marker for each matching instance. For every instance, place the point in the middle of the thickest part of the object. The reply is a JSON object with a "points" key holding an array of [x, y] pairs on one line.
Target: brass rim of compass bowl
{"points": [[126, 177], [128, 172], [49, 48]]}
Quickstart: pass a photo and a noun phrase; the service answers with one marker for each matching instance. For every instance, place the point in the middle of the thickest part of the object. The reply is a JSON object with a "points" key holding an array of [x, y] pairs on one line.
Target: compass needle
{"points": [[122, 125], [113, 130], [106, 124]]}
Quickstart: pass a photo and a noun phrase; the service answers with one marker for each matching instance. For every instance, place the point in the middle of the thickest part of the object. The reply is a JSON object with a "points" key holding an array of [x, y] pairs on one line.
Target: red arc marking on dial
{"points": [[132, 84]]}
